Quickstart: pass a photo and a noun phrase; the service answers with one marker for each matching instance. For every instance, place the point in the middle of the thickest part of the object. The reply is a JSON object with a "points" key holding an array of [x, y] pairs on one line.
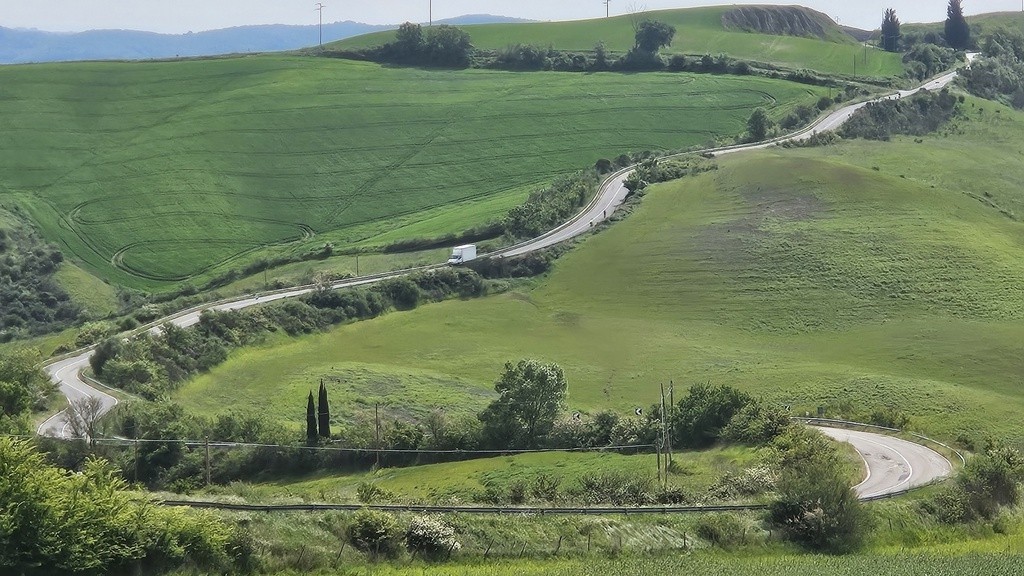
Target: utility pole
{"points": [[608, 9], [664, 432], [207, 460], [430, 11], [376, 419], [320, 9]]}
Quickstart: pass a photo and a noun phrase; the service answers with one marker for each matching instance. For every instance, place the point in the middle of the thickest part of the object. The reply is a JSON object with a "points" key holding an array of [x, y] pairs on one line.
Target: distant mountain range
{"points": [[20, 45]]}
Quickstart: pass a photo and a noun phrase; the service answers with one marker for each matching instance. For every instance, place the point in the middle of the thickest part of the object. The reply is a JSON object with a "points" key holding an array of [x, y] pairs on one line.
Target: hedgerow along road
{"points": [[66, 370]]}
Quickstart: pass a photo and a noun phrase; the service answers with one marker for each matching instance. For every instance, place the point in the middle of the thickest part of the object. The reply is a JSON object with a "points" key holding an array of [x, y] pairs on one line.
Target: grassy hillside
{"points": [[465, 481], [150, 174], [699, 31], [860, 276], [981, 24]]}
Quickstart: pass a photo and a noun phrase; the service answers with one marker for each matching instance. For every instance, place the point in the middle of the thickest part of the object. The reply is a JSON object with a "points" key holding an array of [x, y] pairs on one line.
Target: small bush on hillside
{"points": [[751, 482], [800, 116], [368, 493], [987, 483], [723, 530], [616, 488], [816, 506], [375, 533], [546, 487], [431, 537]]}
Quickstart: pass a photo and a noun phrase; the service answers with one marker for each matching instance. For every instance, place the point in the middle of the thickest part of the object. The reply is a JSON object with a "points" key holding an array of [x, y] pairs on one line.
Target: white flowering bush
{"points": [[430, 536]]}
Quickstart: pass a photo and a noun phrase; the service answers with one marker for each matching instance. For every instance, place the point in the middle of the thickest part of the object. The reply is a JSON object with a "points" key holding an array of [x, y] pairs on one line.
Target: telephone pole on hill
{"points": [[608, 9], [320, 9]]}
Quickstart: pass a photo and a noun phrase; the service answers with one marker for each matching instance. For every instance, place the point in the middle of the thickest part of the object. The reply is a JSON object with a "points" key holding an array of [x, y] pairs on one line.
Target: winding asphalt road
{"points": [[893, 464]]}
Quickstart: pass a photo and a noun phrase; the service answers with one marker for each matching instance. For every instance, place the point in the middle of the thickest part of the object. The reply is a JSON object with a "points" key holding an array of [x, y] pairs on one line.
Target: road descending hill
{"points": [[156, 173], [861, 277]]}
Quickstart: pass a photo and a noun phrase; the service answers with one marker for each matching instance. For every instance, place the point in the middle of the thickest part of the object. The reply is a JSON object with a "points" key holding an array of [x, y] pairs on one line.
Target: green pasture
{"points": [[149, 174], [699, 31], [856, 277], [465, 481]]}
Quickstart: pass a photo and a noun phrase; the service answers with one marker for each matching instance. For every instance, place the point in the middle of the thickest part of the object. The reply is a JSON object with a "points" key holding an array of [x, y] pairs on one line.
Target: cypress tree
{"points": [[310, 419], [890, 31], [324, 412], [958, 33]]}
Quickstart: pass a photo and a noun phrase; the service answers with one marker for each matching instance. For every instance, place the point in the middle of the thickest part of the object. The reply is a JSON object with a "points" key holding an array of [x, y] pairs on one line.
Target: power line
{"points": [[204, 443]]}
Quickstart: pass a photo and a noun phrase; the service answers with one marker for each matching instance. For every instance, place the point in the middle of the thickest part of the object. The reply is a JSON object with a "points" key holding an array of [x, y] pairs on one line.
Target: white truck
{"points": [[463, 254]]}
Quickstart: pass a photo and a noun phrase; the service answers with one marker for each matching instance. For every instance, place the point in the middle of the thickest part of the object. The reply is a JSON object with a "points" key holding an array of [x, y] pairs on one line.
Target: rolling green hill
{"points": [[151, 174], [860, 276], [699, 31], [981, 24]]}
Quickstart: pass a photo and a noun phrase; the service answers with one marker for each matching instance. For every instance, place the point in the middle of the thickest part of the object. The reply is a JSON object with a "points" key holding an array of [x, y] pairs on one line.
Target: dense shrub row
{"points": [[547, 208], [445, 46], [999, 74], [654, 170], [918, 115], [152, 365], [924, 60], [31, 300], [704, 416]]}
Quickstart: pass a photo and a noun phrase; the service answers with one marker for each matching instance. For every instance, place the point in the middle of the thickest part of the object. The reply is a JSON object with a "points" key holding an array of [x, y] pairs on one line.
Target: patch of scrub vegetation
{"points": [[271, 158], [32, 299], [855, 277], [153, 365]]}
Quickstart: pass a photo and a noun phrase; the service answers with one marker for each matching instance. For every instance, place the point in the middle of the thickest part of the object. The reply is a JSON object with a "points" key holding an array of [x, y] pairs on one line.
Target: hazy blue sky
{"points": [[195, 15]]}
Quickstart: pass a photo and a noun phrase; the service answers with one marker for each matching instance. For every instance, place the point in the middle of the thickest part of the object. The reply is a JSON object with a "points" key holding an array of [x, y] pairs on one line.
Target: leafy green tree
{"points": [[324, 412], [22, 386], [652, 36], [890, 31], [601, 56], [311, 420], [701, 415], [758, 125], [532, 394], [448, 46], [756, 424], [958, 33], [816, 505], [409, 39]]}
